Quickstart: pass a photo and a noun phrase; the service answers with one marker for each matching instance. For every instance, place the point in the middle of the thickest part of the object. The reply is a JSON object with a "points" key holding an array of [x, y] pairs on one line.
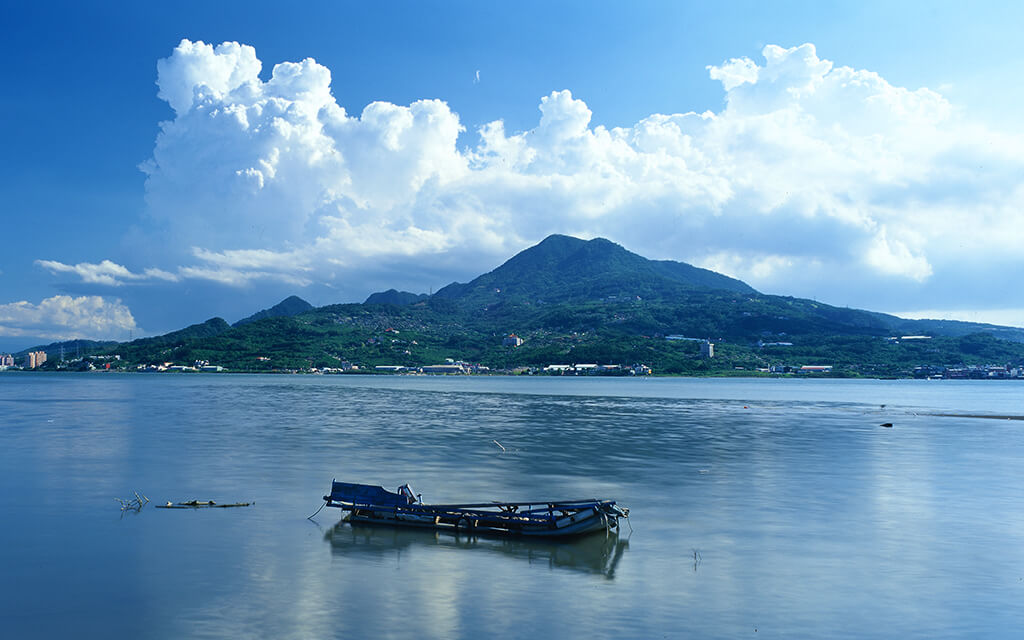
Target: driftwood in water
{"points": [[198, 504], [134, 504]]}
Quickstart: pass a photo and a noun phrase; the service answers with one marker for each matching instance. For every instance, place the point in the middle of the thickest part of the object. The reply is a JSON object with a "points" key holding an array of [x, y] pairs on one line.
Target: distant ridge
{"points": [[72, 348], [159, 348], [395, 297], [290, 306], [955, 328], [208, 329], [566, 269]]}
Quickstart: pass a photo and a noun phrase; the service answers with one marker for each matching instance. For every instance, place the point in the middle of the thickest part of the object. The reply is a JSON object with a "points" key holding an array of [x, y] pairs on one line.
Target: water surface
{"points": [[776, 507]]}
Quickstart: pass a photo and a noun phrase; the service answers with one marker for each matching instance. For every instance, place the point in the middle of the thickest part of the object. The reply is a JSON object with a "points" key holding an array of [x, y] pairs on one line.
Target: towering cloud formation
{"points": [[809, 169], [67, 317], [249, 164]]}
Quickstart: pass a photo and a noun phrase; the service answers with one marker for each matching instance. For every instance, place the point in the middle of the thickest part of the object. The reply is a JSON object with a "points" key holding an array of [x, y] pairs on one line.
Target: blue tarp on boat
{"points": [[365, 494]]}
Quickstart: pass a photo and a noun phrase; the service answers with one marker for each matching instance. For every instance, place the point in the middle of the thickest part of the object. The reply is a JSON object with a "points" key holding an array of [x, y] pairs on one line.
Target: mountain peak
{"points": [[395, 297], [290, 306], [563, 268]]}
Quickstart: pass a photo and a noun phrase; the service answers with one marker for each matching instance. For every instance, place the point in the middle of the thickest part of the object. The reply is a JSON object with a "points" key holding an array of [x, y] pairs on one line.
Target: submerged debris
{"points": [[199, 504], [133, 504], [505, 449]]}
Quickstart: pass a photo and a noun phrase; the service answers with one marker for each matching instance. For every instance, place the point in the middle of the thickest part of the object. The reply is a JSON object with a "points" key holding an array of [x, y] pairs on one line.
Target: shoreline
{"points": [[751, 375]]}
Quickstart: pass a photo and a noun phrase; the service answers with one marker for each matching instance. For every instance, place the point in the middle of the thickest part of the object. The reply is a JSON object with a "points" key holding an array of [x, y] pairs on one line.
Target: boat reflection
{"points": [[596, 554]]}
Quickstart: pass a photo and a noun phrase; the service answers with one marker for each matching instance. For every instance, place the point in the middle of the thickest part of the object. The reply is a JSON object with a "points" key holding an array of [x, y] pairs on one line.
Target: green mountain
{"points": [[563, 269], [165, 347], [395, 297], [576, 301], [290, 306]]}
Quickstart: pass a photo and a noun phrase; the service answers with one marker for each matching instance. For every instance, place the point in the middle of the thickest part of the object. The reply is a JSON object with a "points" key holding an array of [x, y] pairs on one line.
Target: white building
{"points": [[443, 368]]}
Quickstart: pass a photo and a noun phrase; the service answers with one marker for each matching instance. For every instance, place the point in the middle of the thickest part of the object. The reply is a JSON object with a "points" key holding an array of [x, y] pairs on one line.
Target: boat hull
{"points": [[548, 519], [575, 524]]}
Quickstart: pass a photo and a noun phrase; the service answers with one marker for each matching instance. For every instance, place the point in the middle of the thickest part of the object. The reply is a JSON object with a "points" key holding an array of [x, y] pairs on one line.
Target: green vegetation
{"points": [[418, 335], [576, 301], [290, 306]]}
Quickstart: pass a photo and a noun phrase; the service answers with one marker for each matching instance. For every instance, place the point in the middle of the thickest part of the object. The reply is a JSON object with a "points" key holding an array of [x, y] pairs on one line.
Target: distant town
{"points": [[38, 360]]}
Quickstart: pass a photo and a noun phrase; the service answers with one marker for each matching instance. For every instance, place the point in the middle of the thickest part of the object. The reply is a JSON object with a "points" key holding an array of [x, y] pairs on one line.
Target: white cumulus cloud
{"points": [[811, 168], [66, 317]]}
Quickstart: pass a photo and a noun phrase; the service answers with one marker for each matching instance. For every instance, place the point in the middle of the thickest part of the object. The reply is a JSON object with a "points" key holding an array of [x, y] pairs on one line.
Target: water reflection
{"points": [[808, 519], [596, 554]]}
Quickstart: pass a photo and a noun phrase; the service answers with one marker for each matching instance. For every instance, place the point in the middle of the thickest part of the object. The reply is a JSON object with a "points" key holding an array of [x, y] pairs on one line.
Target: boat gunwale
{"points": [[556, 518], [544, 515]]}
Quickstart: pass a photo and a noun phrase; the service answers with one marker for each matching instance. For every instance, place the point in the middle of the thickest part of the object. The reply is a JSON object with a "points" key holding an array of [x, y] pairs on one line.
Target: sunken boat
{"points": [[541, 518]]}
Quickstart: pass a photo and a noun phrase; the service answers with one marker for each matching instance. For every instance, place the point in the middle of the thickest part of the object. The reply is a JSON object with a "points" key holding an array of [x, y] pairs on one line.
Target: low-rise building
{"points": [[558, 368], [443, 368], [816, 368]]}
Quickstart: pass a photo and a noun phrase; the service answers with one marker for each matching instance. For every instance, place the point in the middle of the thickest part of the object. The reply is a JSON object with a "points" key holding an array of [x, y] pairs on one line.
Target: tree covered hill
{"points": [[393, 296], [562, 269], [165, 348], [576, 301], [290, 306], [416, 335]]}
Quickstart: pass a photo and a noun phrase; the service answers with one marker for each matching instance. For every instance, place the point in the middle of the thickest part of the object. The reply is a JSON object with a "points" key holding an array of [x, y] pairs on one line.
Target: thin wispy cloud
{"points": [[234, 268], [106, 272]]}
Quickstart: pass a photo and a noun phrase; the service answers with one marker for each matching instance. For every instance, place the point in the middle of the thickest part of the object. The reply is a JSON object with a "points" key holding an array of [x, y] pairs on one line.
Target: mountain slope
{"points": [[952, 328], [150, 349], [290, 306], [393, 296], [567, 269]]}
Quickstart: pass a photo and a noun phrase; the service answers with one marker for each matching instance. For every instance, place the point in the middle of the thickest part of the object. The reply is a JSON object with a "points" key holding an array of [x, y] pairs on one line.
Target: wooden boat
{"points": [[547, 518]]}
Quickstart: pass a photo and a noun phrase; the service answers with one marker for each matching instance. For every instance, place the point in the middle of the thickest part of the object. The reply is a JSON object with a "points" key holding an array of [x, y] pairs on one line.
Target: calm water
{"points": [[771, 507]]}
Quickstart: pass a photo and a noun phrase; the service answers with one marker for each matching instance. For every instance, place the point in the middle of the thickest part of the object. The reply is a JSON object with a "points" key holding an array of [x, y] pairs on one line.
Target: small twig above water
{"points": [[133, 504], [505, 449]]}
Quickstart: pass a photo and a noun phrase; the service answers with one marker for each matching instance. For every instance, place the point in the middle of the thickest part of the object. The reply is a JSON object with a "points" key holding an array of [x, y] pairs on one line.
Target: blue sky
{"points": [[858, 153]]}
